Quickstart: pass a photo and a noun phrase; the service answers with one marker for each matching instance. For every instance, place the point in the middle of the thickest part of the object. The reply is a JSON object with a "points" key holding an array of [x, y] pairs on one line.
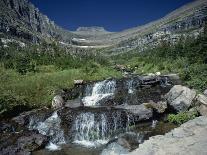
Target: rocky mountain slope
{"points": [[21, 19]]}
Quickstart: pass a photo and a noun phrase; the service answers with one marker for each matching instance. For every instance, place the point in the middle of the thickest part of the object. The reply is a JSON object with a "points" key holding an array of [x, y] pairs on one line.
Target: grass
{"points": [[37, 89]]}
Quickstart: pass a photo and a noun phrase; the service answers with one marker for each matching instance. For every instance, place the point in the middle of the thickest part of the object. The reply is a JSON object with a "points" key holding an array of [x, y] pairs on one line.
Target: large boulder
{"points": [[201, 104], [180, 97], [190, 138], [58, 102]]}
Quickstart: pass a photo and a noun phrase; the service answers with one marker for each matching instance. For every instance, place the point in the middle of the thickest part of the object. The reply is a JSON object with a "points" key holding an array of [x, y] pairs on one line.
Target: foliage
{"points": [[188, 58], [182, 117]]}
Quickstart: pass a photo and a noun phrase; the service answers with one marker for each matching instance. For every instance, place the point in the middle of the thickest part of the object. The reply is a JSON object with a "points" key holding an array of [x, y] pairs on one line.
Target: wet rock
{"points": [[180, 97], [32, 117], [189, 138], [74, 103], [141, 111], [21, 143], [130, 140], [58, 102], [160, 106], [201, 104], [114, 149]]}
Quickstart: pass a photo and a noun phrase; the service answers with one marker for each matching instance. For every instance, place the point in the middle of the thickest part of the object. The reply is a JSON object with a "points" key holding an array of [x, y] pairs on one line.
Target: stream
{"points": [[98, 118]]}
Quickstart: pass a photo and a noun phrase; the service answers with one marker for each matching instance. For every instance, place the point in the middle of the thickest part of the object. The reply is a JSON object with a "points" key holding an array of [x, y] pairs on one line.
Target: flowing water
{"points": [[100, 90], [92, 131]]}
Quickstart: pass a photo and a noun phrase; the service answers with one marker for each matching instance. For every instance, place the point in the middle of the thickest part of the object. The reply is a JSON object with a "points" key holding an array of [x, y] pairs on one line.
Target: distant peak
{"points": [[92, 29]]}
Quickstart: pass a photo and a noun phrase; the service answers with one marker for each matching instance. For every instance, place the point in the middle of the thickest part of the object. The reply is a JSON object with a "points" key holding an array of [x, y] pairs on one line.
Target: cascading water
{"points": [[50, 127], [100, 91], [92, 129]]}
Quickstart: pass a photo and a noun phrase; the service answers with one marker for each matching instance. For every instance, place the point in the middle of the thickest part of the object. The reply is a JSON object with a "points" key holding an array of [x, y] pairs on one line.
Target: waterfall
{"points": [[50, 127], [92, 129], [130, 86], [100, 90]]}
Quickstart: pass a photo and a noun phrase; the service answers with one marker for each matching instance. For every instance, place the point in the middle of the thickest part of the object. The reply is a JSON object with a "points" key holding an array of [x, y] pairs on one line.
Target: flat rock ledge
{"points": [[190, 138]]}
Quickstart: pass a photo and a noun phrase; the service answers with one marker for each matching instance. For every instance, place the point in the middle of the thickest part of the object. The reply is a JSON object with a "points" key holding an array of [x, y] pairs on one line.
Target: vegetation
{"points": [[29, 76], [182, 117], [188, 58]]}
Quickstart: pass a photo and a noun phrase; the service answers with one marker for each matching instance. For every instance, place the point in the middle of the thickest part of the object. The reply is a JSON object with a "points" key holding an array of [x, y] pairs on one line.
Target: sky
{"points": [[113, 15]]}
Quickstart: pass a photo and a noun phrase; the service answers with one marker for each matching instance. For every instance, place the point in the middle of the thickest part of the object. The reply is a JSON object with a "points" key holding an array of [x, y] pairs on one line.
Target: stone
{"points": [[141, 111], [78, 82], [57, 102], [174, 78], [74, 103], [205, 92], [189, 138], [21, 143], [201, 104], [160, 106], [180, 98], [130, 140]]}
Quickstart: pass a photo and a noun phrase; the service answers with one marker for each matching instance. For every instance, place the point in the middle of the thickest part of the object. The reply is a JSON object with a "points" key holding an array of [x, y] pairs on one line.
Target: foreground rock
{"points": [[180, 97], [189, 138], [22, 143]]}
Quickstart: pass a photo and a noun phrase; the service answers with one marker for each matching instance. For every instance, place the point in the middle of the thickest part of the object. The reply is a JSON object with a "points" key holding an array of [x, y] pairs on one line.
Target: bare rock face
{"points": [[180, 97], [189, 138], [160, 106]]}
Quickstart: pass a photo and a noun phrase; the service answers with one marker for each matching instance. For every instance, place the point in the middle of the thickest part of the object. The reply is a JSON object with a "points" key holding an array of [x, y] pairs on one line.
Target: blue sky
{"points": [[113, 15]]}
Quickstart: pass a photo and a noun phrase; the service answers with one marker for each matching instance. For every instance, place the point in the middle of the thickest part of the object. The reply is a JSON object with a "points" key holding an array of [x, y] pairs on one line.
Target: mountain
{"points": [[20, 18]]}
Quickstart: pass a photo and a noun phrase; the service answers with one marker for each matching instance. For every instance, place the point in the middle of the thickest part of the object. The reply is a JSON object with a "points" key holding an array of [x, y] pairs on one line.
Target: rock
{"points": [[58, 102], [114, 149], [21, 143], [160, 106], [174, 78], [157, 73], [74, 103], [189, 138], [205, 92], [32, 117], [141, 111], [201, 104], [180, 97], [130, 140], [78, 82]]}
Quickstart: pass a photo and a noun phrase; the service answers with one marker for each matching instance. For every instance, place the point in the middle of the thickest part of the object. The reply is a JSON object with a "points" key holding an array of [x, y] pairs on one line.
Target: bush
{"points": [[182, 117]]}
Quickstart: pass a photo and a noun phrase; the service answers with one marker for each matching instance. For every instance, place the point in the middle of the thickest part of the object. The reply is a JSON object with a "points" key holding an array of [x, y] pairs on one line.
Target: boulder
{"points": [[180, 98], [205, 92], [160, 106], [201, 104], [58, 102], [190, 138]]}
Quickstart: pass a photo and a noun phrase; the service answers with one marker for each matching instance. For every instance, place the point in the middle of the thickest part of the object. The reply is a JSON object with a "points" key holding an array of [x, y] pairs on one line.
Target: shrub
{"points": [[182, 117]]}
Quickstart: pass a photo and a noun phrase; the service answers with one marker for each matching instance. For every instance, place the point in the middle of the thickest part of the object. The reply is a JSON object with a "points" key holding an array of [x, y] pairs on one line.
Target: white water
{"points": [[51, 127], [100, 91], [94, 129]]}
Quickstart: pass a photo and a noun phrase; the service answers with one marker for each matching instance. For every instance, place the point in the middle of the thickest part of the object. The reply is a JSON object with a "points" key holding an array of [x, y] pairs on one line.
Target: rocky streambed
{"points": [[103, 117]]}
